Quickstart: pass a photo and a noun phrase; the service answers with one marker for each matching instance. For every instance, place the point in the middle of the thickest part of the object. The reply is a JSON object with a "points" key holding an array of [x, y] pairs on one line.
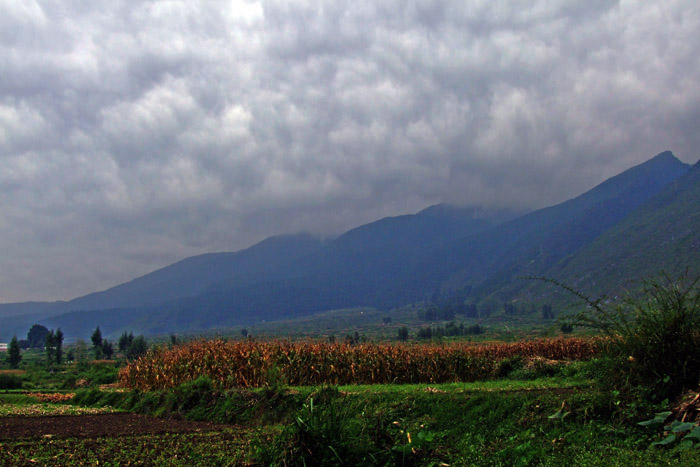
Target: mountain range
{"points": [[633, 225]]}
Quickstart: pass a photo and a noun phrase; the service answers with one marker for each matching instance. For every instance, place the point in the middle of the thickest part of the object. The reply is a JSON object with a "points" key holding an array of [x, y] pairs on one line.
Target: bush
{"points": [[653, 342], [194, 397], [10, 382], [506, 366]]}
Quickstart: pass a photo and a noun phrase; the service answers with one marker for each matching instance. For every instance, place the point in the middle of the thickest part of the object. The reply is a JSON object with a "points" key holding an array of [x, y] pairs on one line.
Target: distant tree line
{"points": [[449, 311], [40, 337], [514, 309], [449, 330]]}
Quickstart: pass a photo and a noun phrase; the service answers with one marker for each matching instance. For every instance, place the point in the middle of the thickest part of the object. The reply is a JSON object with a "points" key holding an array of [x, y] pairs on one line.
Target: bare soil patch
{"points": [[94, 426]]}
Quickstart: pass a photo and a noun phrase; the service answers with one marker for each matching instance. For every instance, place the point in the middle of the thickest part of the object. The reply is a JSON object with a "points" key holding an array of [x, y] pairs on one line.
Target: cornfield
{"points": [[256, 364]]}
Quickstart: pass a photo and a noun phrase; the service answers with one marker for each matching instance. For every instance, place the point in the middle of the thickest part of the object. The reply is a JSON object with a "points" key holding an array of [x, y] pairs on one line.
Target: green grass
{"points": [[500, 422], [17, 399]]}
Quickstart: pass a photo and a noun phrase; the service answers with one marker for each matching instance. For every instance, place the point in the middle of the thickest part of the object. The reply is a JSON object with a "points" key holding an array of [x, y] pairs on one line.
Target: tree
{"points": [[96, 337], [125, 341], [97, 342], [244, 332], [107, 349], [13, 353], [138, 347], [402, 333], [50, 346], [37, 336], [80, 350], [425, 333], [352, 339], [566, 328], [58, 342]]}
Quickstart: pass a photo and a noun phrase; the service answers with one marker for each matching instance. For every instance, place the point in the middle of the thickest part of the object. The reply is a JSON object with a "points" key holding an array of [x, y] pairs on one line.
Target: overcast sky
{"points": [[135, 133]]}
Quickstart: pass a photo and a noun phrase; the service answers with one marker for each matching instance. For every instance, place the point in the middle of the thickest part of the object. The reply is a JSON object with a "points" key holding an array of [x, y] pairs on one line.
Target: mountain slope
{"points": [[147, 294], [650, 179], [193, 275], [661, 235], [534, 241], [279, 276], [390, 262], [357, 268]]}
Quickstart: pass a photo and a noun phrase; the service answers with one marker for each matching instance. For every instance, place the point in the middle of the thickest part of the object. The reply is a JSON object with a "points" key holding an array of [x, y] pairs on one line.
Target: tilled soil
{"points": [[94, 426]]}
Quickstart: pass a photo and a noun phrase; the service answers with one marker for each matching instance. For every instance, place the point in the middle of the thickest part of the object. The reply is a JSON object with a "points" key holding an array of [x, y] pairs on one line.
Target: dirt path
{"points": [[94, 426]]}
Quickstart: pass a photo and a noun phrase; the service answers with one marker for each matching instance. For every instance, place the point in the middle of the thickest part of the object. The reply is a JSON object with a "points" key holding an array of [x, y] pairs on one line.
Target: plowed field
{"points": [[93, 426]]}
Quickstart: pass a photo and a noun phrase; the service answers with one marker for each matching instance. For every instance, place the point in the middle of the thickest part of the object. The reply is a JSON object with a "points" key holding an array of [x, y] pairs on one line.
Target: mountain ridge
{"points": [[442, 252]]}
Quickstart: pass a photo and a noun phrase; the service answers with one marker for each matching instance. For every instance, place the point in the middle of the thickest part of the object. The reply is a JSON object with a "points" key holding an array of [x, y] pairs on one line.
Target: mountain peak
{"points": [[664, 159], [666, 154], [493, 215]]}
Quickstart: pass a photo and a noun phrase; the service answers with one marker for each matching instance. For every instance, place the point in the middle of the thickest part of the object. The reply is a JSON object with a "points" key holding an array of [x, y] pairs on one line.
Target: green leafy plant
{"points": [[653, 341], [416, 447], [679, 434], [560, 414]]}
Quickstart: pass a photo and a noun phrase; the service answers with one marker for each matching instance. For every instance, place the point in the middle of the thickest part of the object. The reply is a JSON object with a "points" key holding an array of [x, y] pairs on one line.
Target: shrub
{"points": [[195, 397], [10, 382], [506, 366]]}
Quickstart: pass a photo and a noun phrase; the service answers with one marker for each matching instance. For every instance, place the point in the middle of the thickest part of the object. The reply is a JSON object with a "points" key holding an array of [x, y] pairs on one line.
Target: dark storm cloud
{"points": [[135, 133]]}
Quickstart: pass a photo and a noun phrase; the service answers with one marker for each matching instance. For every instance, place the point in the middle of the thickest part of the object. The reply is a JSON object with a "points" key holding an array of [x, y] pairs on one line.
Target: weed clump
{"points": [[653, 342], [324, 432]]}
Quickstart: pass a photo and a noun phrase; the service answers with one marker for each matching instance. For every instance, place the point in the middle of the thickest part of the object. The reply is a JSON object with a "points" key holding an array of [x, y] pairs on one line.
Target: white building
{"points": [[3, 347]]}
